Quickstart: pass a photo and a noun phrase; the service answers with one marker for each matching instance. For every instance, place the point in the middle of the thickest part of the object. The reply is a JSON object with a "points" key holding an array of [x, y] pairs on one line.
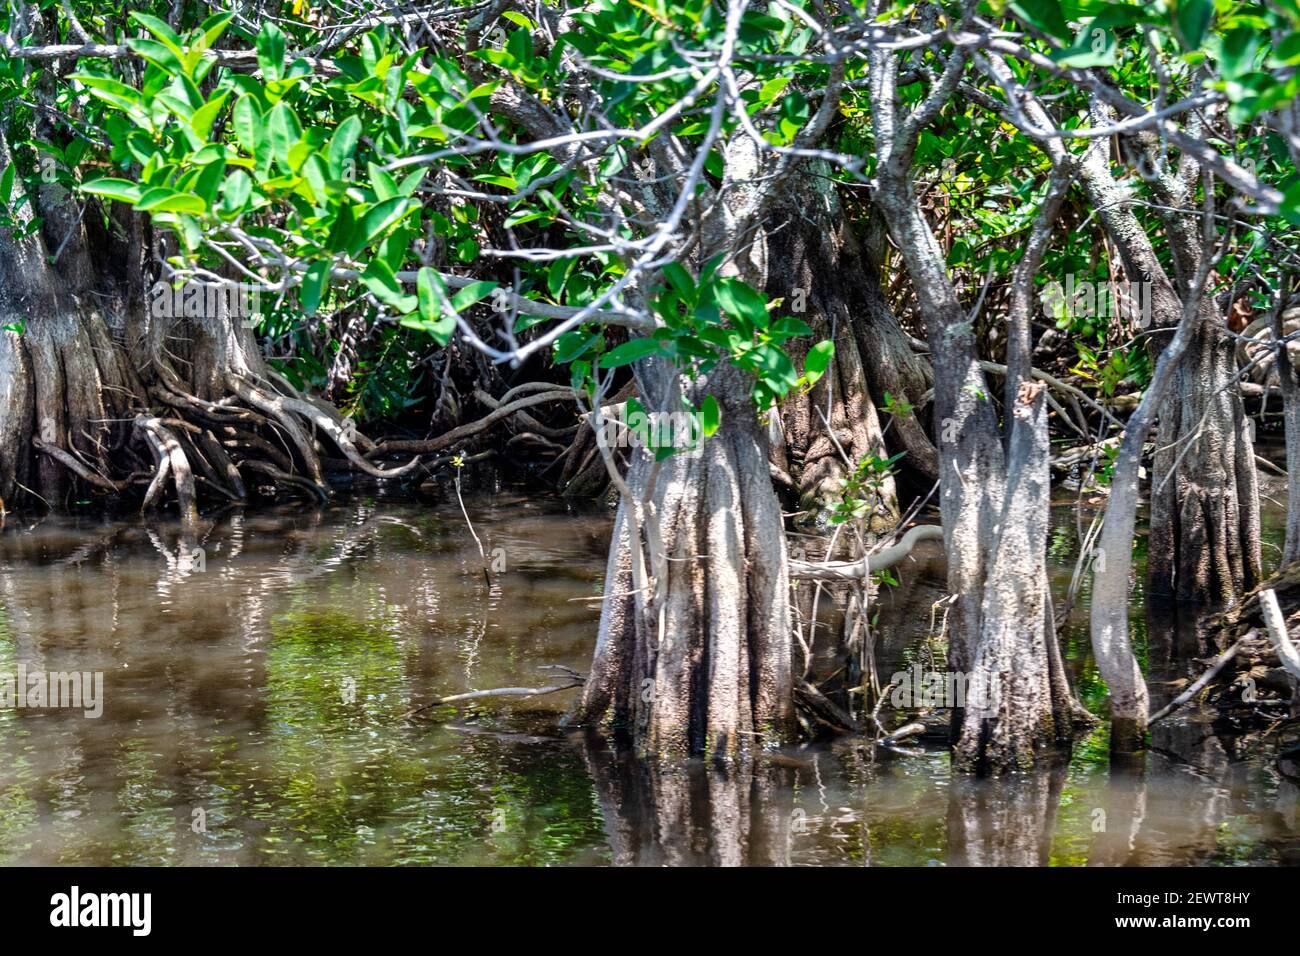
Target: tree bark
{"points": [[993, 503], [698, 658], [813, 262], [1290, 385], [1204, 544]]}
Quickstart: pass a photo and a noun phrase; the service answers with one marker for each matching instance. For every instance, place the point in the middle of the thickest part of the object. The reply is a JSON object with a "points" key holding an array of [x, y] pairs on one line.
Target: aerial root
{"points": [[264, 426], [283, 477], [77, 468], [447, 439], [274, 408], [171, 459]]}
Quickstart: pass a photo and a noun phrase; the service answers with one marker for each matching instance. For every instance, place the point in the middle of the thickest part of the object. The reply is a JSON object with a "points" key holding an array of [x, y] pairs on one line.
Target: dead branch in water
{"points": [[575, 680], [1199, 684]]}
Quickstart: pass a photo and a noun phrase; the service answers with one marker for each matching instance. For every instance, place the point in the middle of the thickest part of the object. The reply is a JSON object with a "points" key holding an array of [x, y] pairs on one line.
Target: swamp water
{"points": [[256, 679]]}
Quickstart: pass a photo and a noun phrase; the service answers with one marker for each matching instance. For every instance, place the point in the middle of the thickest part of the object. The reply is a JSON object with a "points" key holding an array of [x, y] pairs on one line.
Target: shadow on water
{"points": [[257, 676]]}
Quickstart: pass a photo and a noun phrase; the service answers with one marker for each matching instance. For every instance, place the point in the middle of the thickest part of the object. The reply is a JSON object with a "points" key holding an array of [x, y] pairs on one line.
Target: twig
{"points": [[458, 462], [1201, 681]]}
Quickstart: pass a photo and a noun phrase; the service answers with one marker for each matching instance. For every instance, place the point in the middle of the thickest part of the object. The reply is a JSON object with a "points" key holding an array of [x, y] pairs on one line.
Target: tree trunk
{"points": [[1018, 699], [815, 264], [1204, 543], [697, 658], [994, 508], [1290, 385], [702, 662]]}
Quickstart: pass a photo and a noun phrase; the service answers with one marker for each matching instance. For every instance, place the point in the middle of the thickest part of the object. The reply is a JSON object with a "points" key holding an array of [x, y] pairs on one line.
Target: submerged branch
{"points": [[575, 680], [1199, 683]]}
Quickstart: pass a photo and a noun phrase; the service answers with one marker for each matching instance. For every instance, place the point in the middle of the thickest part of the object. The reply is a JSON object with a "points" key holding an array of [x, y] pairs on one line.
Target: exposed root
{"points": [[448, 439], [283, 477], [171, 459], [78, 469], [273, 407], [335, 430]]}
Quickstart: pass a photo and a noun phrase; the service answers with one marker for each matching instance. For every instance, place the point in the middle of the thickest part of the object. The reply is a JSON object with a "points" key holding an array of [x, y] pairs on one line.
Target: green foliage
{"points": [[1130, 366], [863, 488], [338, 169], [368, 184]]}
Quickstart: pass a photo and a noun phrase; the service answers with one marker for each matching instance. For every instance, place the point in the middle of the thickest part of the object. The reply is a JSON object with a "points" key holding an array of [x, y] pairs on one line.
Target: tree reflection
{"points": [[692, 813]]}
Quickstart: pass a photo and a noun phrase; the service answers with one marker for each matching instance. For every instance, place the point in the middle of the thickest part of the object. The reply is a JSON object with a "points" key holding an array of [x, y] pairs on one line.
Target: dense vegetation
{"points": [[861, 258]]}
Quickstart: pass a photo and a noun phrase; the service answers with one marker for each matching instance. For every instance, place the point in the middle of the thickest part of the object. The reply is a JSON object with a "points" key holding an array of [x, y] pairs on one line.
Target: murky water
{"points": [[257, 679]]}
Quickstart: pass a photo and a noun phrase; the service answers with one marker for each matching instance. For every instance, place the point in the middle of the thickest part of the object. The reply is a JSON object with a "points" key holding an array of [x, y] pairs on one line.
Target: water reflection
{"points": [[1008, 821], [258, 673], [693, 814]]}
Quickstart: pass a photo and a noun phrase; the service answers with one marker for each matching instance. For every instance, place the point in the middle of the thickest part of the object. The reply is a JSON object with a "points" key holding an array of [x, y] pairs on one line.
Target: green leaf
{"points": [[818, 361], [1192, 18], [159, 28], [123, 190], [710, 415], [519, 20], [112, 92], [249, 126], [162, 199], [314, 284], [574, 343], [1045, 15], [342, 144], [381, 281], [789, 327], [1291, 204], [680, 280], [472, 293], [1237, 53], [285, 130], [158, 54], [519, 217], [630, 351], [381, 218], [236, 191], [557, 274], [1287, 53], [270, 51], [1094, 46], [741, 302], [213, 27], [342, 232], [438, 318], [207, 114]]}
